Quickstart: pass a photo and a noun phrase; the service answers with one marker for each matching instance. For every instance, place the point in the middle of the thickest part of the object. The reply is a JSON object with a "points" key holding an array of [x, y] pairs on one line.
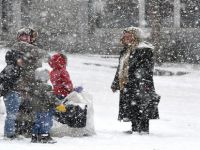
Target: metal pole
{"points": [[142, 13], [177, 15], [156, 29], [16, 15]]}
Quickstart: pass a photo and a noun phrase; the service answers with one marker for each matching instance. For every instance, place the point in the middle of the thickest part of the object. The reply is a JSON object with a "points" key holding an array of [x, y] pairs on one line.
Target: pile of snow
{"points": [[83, 98]]}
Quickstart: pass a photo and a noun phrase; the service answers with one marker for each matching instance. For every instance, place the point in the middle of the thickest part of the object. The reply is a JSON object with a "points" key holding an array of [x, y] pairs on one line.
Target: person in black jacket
{"points": [[26, 39], [8, 78], [134, 80]]}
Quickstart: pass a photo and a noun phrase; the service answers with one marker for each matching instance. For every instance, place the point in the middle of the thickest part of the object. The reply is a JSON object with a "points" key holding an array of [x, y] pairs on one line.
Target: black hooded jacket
{"points": [[11, 73]]}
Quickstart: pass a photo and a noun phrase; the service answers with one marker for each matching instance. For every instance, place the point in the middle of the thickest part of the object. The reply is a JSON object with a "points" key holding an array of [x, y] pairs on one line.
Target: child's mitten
{"points": [[61, 108], [78, 89]]}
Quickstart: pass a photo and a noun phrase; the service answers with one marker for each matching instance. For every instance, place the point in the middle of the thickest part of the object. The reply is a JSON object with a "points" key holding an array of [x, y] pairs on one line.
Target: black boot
{"points": [[144, 127], [135, 125], [35, 138], [46, 138]]}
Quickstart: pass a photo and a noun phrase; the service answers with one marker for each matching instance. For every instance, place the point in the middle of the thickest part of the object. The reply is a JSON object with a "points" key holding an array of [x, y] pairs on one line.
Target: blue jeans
{"points": [[12, 103], [43, 122]]}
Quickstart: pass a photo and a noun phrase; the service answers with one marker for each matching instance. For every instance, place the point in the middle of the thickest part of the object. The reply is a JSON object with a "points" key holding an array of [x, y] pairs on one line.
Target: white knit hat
{"points": [[135, 30], [42, 74]]}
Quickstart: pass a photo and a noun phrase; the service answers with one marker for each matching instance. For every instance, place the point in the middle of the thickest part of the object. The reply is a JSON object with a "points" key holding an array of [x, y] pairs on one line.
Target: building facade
{"points": [[95, 26]]}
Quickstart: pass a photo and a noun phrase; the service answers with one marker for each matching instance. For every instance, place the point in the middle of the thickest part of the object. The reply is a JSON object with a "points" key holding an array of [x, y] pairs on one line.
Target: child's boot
{"points": [[34, 138], [46, 138]]}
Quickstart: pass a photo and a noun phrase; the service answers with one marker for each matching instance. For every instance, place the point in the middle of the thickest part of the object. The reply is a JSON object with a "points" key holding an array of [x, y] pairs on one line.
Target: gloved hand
{"points": [[78, 89], [61, 108], [113, 89]]}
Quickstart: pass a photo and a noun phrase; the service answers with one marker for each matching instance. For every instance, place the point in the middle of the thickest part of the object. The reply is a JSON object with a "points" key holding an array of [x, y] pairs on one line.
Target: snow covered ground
{"points": [[178, 128]]}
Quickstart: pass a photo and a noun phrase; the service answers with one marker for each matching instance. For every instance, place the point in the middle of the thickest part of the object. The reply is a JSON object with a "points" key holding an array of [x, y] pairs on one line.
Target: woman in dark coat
{"points": [[134, 80]]}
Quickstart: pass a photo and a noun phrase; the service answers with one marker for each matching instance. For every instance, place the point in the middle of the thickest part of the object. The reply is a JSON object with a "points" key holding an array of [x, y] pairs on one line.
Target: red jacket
{"points": [[60, 79]]}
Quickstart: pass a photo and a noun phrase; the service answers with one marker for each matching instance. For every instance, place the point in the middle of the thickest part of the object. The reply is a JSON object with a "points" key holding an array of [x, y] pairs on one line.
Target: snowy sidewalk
{"points": [[178, 128]]}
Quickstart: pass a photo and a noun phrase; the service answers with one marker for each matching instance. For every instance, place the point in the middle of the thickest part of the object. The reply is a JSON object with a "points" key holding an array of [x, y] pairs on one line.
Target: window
{"points": [[190, 13], [166, 12], [120, 14]]}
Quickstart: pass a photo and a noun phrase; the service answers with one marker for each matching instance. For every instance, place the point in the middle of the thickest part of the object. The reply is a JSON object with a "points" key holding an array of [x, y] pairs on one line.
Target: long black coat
{"points": [[138, 100]]}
